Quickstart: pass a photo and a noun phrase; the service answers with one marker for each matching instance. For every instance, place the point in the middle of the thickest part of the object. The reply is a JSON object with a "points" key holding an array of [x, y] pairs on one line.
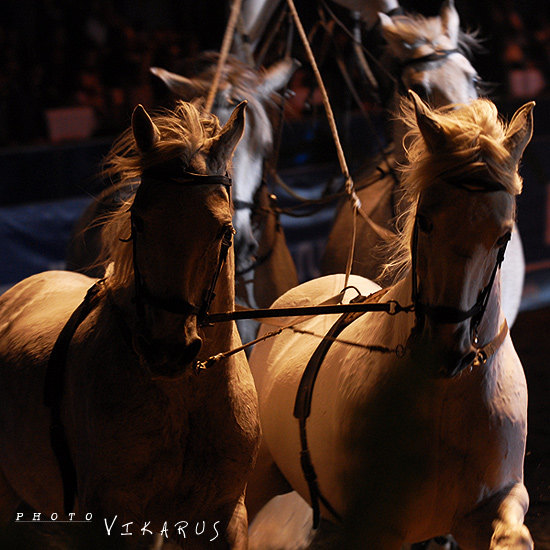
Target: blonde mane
{"points": [[183, 131], [474, 148]]}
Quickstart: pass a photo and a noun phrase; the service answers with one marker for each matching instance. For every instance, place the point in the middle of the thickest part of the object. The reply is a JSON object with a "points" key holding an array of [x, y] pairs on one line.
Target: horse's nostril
{"points": [[192, 350]]}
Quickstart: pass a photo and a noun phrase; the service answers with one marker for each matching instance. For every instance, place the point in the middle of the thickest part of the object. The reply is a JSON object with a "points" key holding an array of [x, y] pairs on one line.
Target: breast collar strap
{"points": [[143, 295]]}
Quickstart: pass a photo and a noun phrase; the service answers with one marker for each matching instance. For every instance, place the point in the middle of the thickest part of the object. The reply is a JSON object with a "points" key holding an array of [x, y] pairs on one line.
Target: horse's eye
{"points": [[501, 241], [424, 223]]}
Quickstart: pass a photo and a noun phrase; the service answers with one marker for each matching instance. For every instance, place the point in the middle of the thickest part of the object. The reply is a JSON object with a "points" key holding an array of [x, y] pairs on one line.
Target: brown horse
{"points": [[263, 264], [153, 441]]}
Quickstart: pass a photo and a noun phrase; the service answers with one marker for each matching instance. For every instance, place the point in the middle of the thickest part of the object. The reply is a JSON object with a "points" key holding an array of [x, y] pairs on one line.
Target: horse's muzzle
{"points": [[445, 349], [167, 360], [454, 364]]}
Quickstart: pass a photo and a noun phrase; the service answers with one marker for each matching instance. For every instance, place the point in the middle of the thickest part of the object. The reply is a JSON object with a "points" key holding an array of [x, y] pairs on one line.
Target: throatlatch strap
{"points": [[53, 395], [304, 396]]}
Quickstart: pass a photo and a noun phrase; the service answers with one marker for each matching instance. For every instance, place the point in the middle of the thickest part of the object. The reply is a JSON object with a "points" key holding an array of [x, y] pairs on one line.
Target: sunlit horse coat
{"points": [[408, 446]]}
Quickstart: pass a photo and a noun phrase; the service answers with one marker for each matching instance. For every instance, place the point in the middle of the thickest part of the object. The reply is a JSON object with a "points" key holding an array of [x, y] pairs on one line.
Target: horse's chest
{"points": [[168, 444], [434, 450]]}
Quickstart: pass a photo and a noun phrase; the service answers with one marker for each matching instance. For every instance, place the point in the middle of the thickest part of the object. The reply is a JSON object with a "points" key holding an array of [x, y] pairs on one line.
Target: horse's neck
{"points": [[393, 330], [494, 317]]}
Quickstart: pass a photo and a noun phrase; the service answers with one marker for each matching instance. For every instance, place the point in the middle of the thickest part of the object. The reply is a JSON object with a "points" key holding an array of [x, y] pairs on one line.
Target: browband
{"points": [[434, 56], [187, 178]]}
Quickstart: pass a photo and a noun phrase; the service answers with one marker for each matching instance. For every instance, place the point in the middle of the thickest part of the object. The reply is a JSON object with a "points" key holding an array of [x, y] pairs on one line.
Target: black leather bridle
{"points": [[143, 295]]}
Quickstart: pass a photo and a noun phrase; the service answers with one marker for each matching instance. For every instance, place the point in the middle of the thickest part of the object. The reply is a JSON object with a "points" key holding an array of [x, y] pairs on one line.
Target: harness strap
{"points": [[304, 396], [54, 386], [488, 350]]}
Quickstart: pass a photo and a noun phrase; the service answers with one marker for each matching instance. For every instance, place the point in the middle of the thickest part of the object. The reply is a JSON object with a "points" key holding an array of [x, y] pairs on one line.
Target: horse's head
{"points": [[429, 55], [181, 227], [239, 82], [462, 181]]}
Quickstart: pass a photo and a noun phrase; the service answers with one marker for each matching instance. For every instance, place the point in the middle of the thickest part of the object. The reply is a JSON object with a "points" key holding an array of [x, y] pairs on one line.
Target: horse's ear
{"points": [[520, 131], [277, 76], [145, 132], [450, 21], [431, 130], [387, 26], [225, 142], [186, 88]]}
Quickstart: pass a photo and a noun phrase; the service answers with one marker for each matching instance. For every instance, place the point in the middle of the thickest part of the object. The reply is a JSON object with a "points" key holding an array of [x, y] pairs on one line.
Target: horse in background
{"points": [[418, 420], [150, 438], [430, 57]]}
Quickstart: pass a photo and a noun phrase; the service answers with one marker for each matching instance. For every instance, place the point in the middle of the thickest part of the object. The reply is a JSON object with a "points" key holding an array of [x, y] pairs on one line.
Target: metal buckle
{"points": [[480, 358]]}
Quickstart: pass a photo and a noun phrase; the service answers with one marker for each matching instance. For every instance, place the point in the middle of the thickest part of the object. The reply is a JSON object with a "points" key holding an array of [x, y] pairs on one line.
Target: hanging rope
{"points": [[349, 187], [326, 102], [224, 52]]}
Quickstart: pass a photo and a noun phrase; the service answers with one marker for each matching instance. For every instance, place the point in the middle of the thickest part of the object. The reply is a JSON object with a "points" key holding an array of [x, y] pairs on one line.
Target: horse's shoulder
{"points": [[321, 289]]}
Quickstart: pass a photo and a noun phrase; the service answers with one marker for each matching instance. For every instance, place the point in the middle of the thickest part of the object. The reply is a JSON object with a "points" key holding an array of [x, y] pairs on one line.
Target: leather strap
{"points": [[54, 386], [304, 396], [488, 350]]}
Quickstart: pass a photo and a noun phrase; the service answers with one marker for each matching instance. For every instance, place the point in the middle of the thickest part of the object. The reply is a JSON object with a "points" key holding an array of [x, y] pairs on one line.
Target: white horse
{"points": [[429, 57], [149, 439], [418, 420]]}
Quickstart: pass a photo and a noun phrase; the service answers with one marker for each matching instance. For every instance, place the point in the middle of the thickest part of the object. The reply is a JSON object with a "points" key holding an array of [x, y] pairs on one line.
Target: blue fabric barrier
{"points": [[34, 237]]}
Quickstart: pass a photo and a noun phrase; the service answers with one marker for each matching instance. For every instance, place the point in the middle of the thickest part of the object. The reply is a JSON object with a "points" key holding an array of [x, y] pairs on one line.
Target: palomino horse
{"points": [[417, 420], [152, 440], [428, 54]]}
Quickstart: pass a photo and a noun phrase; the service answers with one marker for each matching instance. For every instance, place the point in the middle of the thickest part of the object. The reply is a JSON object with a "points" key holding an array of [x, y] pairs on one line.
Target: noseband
{"points": [[143, 295], [450, 314]]}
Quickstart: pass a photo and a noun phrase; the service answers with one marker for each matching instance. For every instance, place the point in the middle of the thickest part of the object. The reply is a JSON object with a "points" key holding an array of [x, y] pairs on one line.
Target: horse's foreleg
{"points": [[237, 529], [498, 523], [265, 482]]}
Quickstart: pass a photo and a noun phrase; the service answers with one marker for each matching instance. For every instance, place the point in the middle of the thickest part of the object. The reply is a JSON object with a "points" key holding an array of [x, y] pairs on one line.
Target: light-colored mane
{"points": [[475, 136], [183, 131]]}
